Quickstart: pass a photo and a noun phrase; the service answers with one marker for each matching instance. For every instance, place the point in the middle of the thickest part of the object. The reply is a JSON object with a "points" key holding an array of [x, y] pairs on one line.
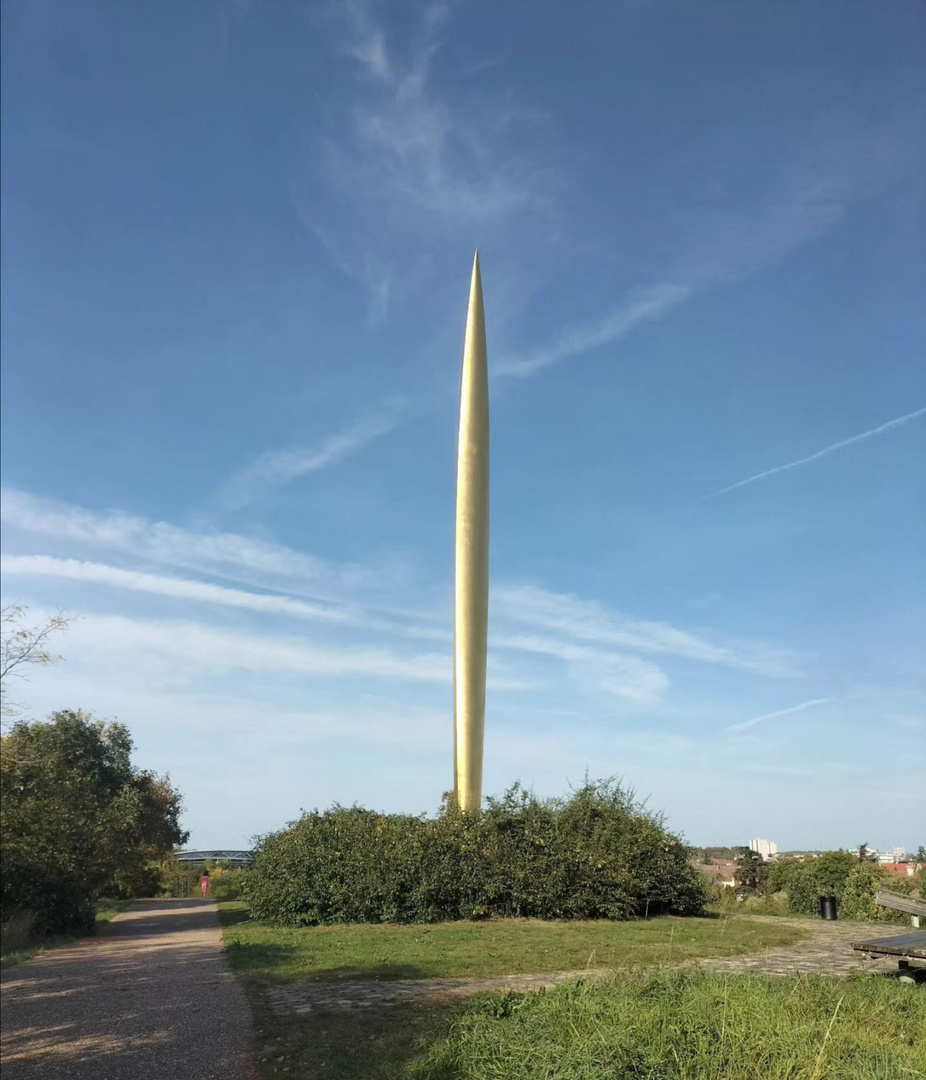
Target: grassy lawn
{"points": [[267, 953], [10, 957], [665, 1026]]}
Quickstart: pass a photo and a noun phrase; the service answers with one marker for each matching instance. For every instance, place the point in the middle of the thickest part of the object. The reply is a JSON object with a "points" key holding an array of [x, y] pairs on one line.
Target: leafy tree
{"points": [[782, 872], [152, 838], [865, 854], [831, 871], [751, 869], [858, 898], [75, 814]]}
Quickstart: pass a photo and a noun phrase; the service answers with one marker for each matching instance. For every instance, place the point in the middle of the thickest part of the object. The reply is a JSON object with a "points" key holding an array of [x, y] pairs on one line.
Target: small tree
{"points": [[751, 869], [21, 646]]}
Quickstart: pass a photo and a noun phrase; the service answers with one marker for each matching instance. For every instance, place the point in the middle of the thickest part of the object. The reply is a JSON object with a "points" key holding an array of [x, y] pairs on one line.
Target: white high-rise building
{"points": [[768, 849]]}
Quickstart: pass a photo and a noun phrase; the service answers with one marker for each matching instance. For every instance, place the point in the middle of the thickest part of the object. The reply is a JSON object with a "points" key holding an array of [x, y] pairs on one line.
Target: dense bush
{"points": [[852, 881], [226, 882], [596, 854]]}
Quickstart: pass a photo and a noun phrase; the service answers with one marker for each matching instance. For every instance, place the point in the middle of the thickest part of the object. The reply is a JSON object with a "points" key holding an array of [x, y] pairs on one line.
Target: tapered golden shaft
{"points": [[471, 578]]}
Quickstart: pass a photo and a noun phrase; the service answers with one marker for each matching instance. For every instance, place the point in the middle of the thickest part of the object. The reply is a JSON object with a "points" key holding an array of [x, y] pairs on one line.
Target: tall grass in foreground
{"points": [[679, 1026]]}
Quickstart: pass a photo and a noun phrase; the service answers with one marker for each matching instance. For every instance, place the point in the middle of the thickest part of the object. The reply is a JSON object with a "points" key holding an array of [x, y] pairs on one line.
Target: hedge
{"points": [[853, 883], [596, 854]]}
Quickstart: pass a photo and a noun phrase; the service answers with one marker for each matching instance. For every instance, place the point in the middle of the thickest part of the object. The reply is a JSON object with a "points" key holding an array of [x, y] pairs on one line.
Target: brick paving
{"points": [[828, 952]]}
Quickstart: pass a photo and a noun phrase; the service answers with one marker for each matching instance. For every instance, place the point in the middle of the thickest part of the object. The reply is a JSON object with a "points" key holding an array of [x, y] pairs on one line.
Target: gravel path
{"points": [[150, 997]]}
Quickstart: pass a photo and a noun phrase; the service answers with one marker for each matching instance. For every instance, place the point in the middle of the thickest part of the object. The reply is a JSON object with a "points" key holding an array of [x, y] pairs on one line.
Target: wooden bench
{"points": [[910, 949], [916, 909]]}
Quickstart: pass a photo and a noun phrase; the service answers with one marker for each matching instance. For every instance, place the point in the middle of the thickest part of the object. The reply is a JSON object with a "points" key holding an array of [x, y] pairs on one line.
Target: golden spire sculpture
{"points": [[471, 575]]}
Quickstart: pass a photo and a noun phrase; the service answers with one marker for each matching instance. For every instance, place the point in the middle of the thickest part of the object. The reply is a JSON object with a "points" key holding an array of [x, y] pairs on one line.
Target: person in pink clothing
{"points": [[205, 884]]}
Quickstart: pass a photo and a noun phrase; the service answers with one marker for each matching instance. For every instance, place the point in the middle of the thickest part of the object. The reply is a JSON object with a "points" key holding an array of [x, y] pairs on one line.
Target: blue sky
{"points": [[236, 253]]}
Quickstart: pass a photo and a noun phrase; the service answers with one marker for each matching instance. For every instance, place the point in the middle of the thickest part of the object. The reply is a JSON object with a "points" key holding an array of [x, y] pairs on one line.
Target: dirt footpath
{"points": [[150, 997]]}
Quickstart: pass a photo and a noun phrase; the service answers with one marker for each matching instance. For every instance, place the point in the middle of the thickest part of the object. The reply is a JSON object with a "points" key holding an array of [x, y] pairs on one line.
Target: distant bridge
{"points": [[234, 857]]}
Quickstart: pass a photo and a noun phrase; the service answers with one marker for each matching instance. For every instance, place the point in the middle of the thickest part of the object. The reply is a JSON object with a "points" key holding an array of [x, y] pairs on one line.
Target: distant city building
{"points": [[767, 849], [907, 869], [898, 855], [721, 871]]}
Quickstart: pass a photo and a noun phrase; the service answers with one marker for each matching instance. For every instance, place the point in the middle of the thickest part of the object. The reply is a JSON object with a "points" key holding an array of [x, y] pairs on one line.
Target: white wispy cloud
{"points": [[229, 554], [275, 468], [616, 674], [177, 588], [398, 166], [851, 441], [187, 650], [745, 724], [362, 265], [182, 652], [811, 194], [642, 305], [588, 620], [405, 140]]}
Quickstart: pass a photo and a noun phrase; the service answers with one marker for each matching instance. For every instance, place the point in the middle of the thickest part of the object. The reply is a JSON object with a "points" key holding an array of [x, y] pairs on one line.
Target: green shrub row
{"points": [[596, 854], [853, 883]]}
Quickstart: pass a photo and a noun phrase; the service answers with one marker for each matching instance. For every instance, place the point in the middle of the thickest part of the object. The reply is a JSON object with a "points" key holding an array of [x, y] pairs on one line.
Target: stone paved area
{"points": [[322, 996], [827, 951], [151, 997]]}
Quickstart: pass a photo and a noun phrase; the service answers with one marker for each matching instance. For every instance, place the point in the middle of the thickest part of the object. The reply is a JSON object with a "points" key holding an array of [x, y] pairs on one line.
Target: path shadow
{"points": [[253, 958], [144, 917], [128, 1001], [372, 1043], [233, 916]]}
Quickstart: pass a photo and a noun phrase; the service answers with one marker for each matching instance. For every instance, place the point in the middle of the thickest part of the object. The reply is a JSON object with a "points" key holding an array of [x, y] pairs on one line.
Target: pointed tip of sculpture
{"points": [[476, 283]]}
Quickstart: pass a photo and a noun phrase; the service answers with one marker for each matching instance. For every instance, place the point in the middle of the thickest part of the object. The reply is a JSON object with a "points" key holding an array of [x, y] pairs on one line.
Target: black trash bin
{"points": [[828, 907]]}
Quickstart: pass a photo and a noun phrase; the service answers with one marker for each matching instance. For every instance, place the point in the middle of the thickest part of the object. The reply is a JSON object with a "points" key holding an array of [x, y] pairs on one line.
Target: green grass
{"points": [[673, 1026], [10, 957], [268, 953], [662, 1026]]}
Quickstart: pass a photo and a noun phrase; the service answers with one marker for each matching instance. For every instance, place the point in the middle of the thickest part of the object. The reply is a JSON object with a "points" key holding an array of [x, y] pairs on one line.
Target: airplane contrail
{"points": [[889, 426]]}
